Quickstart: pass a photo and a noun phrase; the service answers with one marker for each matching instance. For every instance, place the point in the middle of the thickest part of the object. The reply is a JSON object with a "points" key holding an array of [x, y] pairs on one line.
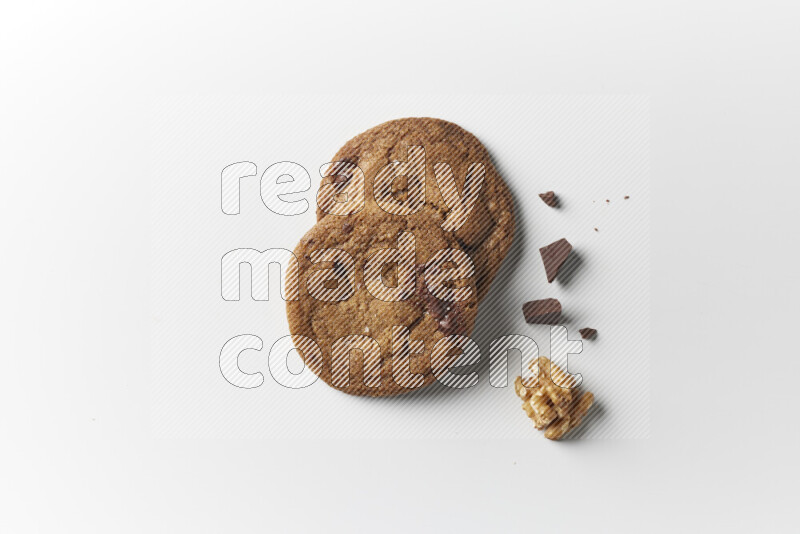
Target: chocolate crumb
{"points": [[546, 311], [608, 201], [596, 230], [627, 197], [549, 198], [588, 333], [553, 256], [347, 227]]}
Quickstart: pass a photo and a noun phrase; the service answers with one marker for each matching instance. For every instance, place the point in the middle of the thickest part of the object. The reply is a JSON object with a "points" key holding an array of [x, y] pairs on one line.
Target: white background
{"points": [[79, 453]]}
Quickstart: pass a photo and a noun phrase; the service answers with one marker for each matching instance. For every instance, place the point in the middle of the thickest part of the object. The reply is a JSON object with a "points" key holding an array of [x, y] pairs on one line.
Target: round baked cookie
{"points": [[339, 311], [488, 231]]}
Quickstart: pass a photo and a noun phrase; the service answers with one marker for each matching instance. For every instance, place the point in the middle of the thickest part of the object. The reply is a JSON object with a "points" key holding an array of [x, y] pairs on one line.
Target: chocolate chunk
{"points": [[553, 256], [546, 311], [549, 198], [588, 333], [596, 230], [347, 227], [453, 322], [437, 308], [450, 316], [627, 197]]}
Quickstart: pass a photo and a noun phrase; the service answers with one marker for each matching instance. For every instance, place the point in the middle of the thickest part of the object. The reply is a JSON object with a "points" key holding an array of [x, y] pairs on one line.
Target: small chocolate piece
{"points": [[608, 201], [588, 333], [546, 311], [347, 227], [553, 256], [596, 230], [450, 316], [549, 198], [627, 197], [437, 308], [453, 322], [344, 172]]}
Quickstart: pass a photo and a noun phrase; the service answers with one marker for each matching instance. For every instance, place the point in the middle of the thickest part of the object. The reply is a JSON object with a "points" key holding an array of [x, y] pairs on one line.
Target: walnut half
{"points": [[552, 401]]}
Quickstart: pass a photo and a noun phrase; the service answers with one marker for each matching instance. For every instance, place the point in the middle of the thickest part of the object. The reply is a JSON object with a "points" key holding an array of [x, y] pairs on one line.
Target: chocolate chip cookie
{"points": [[487, 232], [372, 288]]}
